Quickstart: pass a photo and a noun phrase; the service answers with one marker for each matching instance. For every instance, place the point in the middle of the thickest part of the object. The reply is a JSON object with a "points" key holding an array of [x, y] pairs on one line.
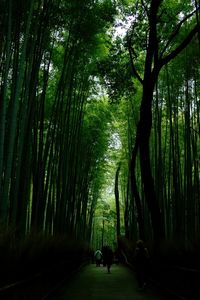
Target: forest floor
{"points": [[94, 283]]}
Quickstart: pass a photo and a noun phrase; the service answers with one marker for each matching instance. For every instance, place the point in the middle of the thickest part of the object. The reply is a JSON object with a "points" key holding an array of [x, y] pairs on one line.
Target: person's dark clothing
{"points": [[141, 264], [107, 257]]}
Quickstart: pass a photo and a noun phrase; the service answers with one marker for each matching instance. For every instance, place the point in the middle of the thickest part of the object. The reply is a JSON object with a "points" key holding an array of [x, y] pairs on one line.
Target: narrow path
{"points": [[94, 283]]}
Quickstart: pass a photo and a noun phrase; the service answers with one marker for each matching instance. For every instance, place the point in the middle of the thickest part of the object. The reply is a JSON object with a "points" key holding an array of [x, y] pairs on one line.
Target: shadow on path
{"points": [[94, 283]]}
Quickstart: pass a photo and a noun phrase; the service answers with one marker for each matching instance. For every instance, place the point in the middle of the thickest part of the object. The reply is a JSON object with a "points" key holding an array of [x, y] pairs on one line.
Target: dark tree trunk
{"points": [[135, 193], [117, 200], [144, 131]]}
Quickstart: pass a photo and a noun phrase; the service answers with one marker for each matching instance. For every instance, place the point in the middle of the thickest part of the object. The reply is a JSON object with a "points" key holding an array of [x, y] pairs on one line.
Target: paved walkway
{"points": [[94, 283]]}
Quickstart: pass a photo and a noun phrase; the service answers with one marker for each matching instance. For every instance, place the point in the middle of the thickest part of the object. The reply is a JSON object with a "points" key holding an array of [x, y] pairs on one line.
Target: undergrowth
{"points": [[37, 253]]}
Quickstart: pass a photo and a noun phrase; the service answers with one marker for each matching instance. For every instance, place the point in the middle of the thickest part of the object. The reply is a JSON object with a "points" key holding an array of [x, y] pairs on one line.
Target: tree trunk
{"points": [[135, 193], [143, 131], [117, 200]]}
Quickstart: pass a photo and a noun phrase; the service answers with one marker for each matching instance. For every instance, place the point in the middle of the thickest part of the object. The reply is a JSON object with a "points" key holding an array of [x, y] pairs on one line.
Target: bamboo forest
{"points": [[99, 132]]}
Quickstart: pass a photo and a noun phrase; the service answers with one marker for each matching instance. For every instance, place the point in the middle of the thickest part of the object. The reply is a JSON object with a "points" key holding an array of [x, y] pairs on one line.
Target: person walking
{"points": [[107, 257], [141, 259], [98, 257]]}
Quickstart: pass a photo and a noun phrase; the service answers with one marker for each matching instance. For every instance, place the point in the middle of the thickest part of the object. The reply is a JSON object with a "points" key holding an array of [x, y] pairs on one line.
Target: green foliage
{"points": [[116, 72], [96, 136]]}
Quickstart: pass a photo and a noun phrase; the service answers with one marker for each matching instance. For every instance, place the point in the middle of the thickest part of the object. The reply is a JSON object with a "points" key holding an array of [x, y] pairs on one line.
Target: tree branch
{"points": [[176, 31], [133, 66], [145, 8], [183, 45]]}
